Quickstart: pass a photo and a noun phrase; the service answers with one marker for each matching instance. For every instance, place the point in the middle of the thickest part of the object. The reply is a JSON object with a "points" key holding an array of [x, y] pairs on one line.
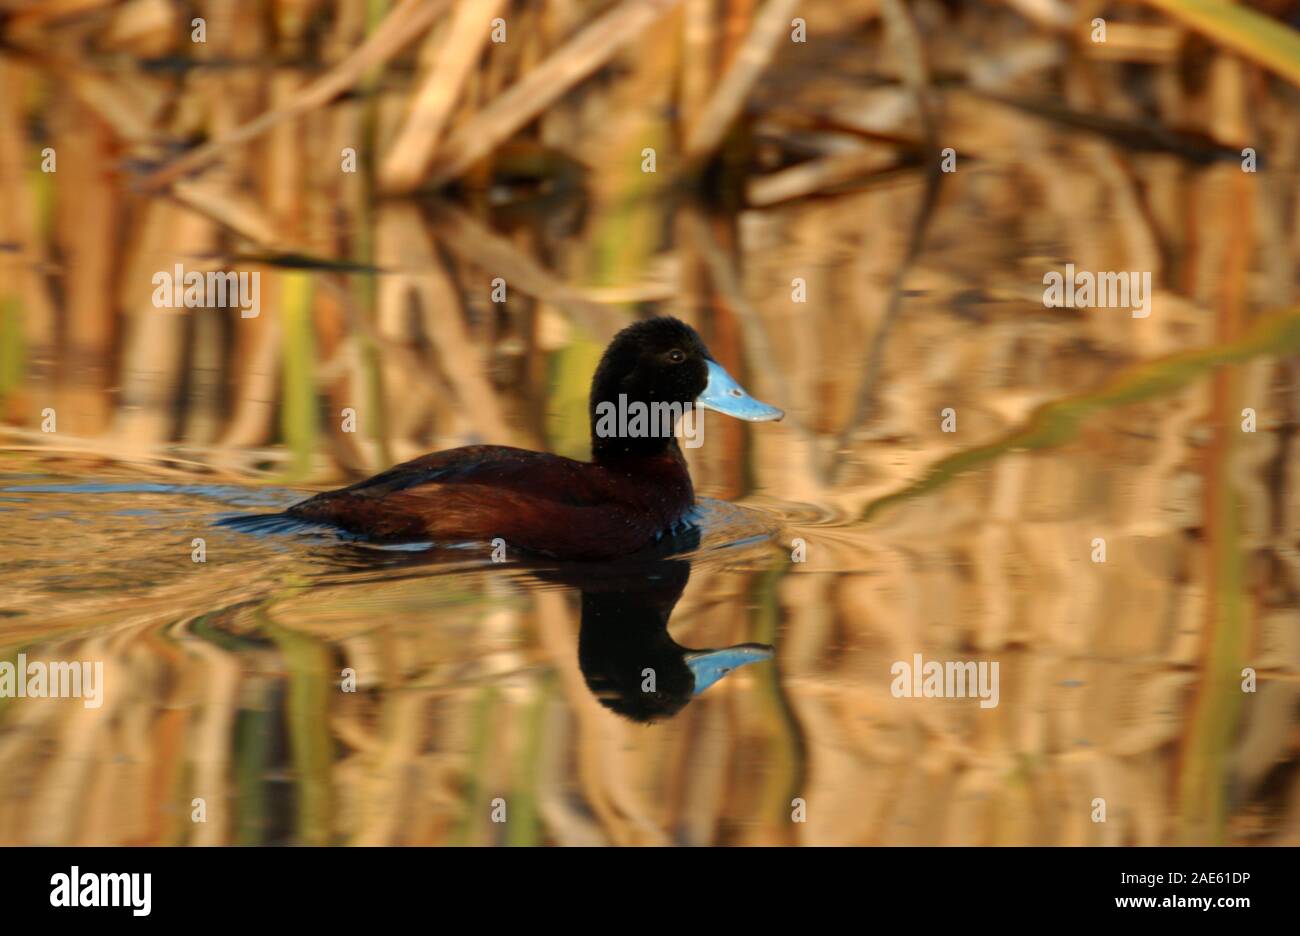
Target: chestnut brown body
{"points": [[536, 501]]}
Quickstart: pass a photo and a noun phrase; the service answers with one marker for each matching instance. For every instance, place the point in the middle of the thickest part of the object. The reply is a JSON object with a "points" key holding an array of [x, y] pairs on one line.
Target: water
{"points": [[244, 655], [516, 686]]}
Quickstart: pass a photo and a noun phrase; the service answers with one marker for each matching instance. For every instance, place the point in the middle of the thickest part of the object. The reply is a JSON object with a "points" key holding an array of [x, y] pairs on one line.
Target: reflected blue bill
{"points": [[711, 665]]}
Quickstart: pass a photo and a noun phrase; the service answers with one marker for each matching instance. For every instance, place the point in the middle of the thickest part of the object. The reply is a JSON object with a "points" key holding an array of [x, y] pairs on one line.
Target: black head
{"points": [[659, 360], [662, 366]]}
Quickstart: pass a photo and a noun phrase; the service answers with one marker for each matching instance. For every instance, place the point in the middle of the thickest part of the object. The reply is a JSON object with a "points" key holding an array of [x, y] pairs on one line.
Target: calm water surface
{"points": [[514, 689]]}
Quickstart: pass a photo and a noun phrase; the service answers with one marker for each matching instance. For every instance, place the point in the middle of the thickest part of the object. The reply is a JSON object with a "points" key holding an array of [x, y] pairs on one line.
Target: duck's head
{"points": [[661, 361]]}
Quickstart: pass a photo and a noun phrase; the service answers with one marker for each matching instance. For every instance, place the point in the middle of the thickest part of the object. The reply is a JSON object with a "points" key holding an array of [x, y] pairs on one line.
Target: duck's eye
{"points": [[676, 355]]}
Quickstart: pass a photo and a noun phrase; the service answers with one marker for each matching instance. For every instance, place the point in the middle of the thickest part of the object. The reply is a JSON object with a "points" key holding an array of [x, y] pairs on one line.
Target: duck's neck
{"points": [[607, 449], [625, 426], [666, 481]]}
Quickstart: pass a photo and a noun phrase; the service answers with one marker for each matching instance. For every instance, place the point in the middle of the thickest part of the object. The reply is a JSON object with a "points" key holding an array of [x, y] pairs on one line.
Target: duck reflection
{"points": [[629, 660]]}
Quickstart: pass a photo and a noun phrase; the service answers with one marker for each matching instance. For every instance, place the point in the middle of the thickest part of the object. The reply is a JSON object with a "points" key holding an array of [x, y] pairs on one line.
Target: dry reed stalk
{"points": [[1153, 44], [202, 407], [566, 821], [728, 456], [87, 229], [402, 25], [463, 363], [697, 68], [131, 112], [388, 786], [903, 31], [391, 333], [1206, 766], [579, 57], [1055, 15], [153, 338], [239, 212], [477, 244], [144, 28], [737, 21], [534, 49], [561, 122], [225, 95], [56, 807], [208, 757], [817, 175], [411, 387], [33, 16], [760, 46], [458, 51], [258, 342], [500, 65], [339, 387], [22, 266]]}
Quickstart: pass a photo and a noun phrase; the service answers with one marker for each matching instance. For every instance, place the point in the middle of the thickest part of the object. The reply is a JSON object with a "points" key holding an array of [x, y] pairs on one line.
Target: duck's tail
{"points": [[270, 524]]}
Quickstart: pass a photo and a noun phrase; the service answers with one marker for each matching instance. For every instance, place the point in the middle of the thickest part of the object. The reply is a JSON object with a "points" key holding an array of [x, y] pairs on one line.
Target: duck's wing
{"points": [[564, 524], [498, 465]]}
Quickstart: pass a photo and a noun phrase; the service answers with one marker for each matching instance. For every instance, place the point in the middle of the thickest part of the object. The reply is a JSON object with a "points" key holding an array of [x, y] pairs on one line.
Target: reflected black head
{"points": [[624, 633]]}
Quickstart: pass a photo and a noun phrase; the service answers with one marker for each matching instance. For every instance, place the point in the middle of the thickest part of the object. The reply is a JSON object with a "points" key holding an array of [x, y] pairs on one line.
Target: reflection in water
{"points": [[224, 679], [629, 660]]}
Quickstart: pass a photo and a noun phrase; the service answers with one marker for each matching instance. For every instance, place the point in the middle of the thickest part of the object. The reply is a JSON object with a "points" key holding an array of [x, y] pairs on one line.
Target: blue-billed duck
{"points": [[635, 488]]}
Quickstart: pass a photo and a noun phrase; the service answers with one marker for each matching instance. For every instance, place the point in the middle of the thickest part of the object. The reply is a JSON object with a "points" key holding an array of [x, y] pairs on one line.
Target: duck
{"points": [[635, 489]]}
